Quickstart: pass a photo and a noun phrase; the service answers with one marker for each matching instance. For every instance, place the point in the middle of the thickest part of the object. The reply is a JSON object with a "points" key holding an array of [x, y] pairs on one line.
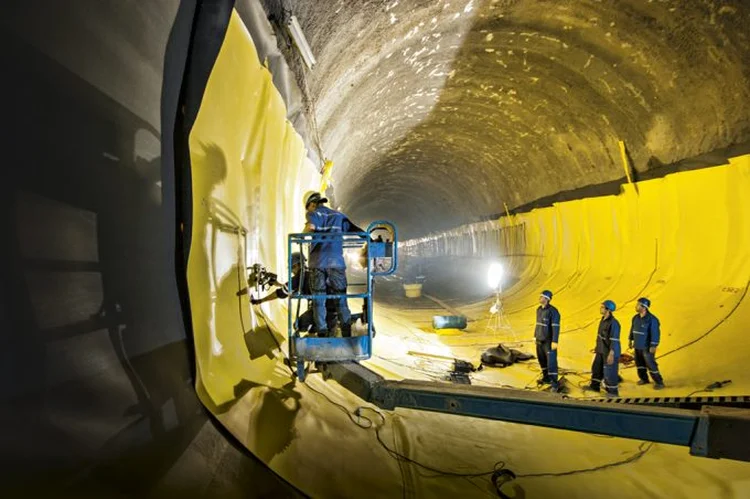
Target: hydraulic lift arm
{"points": [[716, 432]]}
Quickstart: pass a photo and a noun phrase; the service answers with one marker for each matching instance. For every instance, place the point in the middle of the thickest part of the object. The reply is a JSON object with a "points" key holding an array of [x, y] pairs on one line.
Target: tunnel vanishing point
{"points": [[154, 151]]}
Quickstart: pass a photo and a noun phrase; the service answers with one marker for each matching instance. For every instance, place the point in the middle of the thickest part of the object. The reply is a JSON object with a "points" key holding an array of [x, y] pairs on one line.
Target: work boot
{"points": [[642, 382], [323, 334], [658, 386], [613, 395], [591, 388], [346, 330]]}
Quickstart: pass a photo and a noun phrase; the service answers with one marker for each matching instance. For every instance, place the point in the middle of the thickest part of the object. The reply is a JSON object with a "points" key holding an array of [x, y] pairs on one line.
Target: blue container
{"points": [[448, 322]]}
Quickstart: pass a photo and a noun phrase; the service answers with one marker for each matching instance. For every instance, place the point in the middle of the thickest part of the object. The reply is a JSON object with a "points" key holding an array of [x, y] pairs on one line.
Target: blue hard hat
{"points": [[547, 294], [609, 305], [645, 302]]}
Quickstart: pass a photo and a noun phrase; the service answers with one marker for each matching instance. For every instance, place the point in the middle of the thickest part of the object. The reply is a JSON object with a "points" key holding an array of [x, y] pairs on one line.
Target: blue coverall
{"points": [[645, 334], [547, 332], [328, 267], [607, 340]]}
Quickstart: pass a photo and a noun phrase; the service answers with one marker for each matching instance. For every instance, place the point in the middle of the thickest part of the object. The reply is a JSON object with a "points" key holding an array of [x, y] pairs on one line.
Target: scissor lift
{"points": [[306, 349]]}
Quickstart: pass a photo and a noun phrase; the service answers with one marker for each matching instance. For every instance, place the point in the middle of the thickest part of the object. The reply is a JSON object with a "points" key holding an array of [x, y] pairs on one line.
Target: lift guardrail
{"points": [[303, 349]]}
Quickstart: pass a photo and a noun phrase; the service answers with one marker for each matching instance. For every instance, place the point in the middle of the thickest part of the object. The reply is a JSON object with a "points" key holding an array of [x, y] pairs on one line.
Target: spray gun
{"points": [[259, 278]]}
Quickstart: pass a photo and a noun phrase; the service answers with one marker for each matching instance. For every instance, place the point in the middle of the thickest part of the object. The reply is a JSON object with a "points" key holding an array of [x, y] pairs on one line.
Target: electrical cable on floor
{"points": [[710, 388], [499, 471], [643, 448], [393, 453], [369, 422], [437, 472], [495, 474]]}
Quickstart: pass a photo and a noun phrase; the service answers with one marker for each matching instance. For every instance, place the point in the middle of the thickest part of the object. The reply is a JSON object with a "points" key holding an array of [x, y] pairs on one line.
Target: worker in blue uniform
{"points": [[644, 337], [546, 335], [326, 261], [607, 357], [299, 283]]}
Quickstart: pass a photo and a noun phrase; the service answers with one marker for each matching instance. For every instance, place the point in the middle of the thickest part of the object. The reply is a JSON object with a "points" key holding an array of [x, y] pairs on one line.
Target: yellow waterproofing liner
{"points": [[248, 171], [683, 241]]}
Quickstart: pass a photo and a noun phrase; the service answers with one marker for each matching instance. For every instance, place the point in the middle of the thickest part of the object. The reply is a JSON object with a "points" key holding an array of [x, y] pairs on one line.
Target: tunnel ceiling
{"points": [[438, 112]]}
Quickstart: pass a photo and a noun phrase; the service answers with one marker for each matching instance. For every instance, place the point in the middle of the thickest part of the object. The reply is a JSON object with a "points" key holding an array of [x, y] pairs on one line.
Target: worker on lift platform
{"points": [[327, 264], [300, 282], [607, 357], [644, 336], [547, 334]]}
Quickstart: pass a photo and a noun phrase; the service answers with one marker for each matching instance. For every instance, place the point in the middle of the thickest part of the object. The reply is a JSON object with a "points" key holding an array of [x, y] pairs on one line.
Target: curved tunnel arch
{"points": [[581, 76]]}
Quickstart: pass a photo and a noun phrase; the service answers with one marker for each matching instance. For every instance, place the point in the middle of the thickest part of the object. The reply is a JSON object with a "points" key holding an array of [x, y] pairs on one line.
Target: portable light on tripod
{"points": [[497, 320]]}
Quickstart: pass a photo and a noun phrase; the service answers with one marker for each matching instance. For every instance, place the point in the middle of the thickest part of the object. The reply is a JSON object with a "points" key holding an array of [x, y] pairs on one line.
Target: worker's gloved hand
{"points": [[652, 350], [554, 346], [611, 358], [255, 301]]}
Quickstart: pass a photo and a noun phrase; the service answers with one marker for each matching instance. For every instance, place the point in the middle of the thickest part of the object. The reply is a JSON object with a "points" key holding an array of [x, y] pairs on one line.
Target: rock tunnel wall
{"points": [[461, 106]]}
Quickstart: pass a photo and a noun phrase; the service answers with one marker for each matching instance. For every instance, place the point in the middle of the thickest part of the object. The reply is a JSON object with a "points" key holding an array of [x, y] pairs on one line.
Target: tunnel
{"points": [[156, 151]]}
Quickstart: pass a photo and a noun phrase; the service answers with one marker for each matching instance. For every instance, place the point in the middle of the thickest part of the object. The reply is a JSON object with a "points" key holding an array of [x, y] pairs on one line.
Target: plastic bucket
{"points": [[413, 290]]}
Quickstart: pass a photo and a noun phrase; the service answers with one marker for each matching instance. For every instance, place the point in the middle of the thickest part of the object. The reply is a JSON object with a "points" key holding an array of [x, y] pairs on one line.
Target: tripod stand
{"points": [[498, 320]]}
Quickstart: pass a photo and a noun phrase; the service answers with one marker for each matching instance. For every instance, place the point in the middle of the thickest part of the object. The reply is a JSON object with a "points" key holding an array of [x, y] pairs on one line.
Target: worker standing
{"points": [[326, 261], [607, 357], [644, 337], [546, 335]]}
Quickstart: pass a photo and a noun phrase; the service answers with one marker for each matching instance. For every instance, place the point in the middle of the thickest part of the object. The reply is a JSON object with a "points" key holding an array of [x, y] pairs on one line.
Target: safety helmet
{"points": [[547, 294], [313, 197], [298, 259], [645, 302], [609, 305]]}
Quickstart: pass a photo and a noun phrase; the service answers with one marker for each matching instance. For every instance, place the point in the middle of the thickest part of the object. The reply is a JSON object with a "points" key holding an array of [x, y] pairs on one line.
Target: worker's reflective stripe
{"points": [[614, 339], [558, 325], [654, 343], [638, 332], [654, 372], [541, 324], [641, 367]]}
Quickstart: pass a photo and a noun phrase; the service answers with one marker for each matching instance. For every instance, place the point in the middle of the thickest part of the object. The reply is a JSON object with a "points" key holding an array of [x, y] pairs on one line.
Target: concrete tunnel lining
{"points": [[76, 415]]}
